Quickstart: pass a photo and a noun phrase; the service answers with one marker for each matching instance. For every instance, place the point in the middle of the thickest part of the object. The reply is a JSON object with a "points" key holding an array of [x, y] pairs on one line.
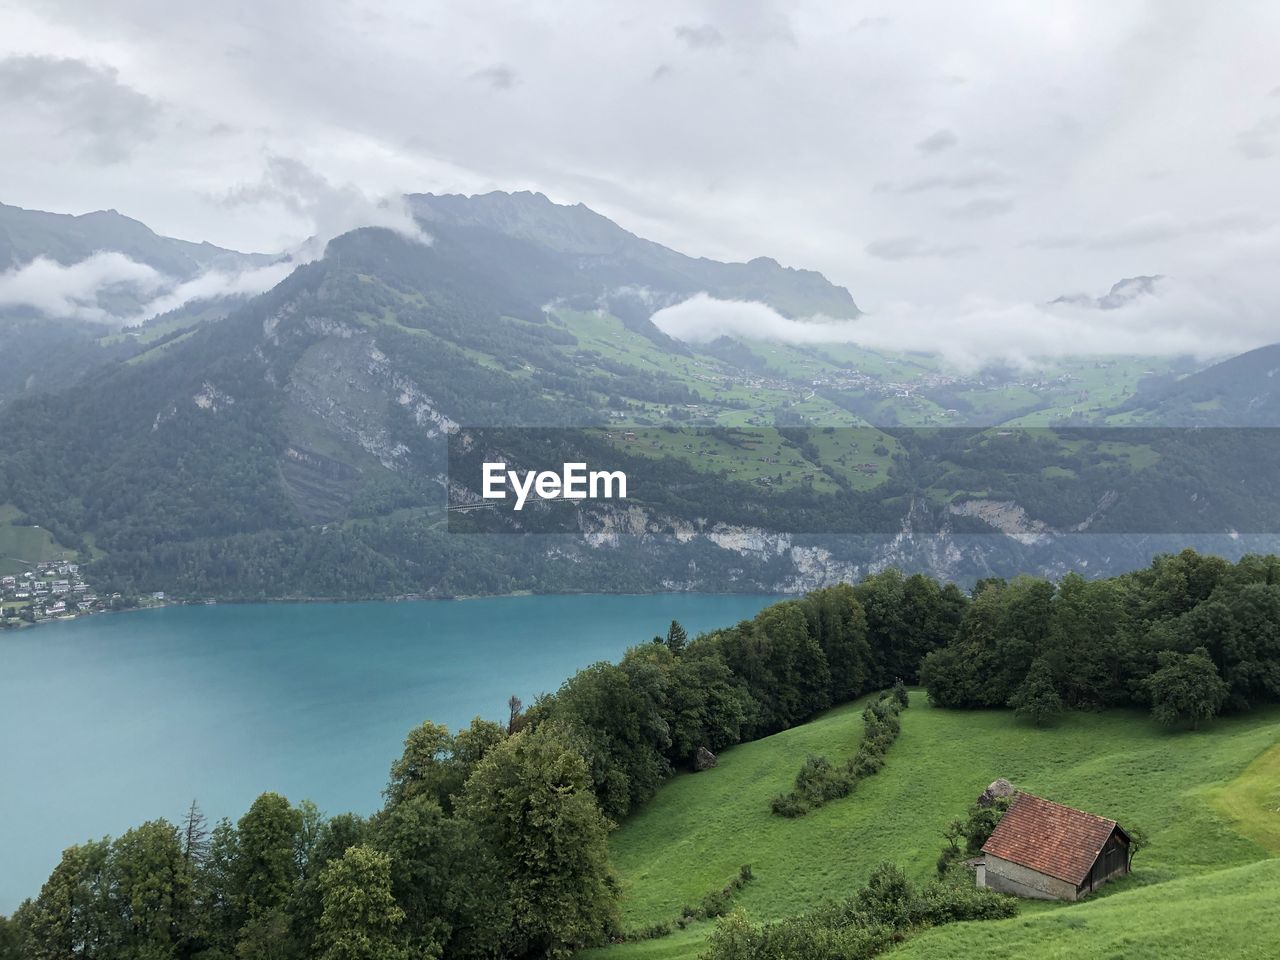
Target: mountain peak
{"points": [[581, 232], [1122, 293]]}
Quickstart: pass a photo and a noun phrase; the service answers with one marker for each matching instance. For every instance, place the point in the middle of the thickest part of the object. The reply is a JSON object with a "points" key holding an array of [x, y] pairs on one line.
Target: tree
{"points": [[1088, 643], [151, 895], [836, 619], [332, 838], [361, 919], [900, 694], [1138, 842], [70, 917], [218, 907], [706, 705], [265, 875], [423, 767], [10, 939], [531, 800], [614, 712], [436, 763], [514, 718], [445, 878], [1037, 698], [195, 836], [1186, 688], [782, 664], [676, 639]]}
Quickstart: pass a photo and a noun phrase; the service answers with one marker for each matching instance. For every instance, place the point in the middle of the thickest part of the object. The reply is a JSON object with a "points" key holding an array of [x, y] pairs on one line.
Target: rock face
{"points": [[704, 760], [995, 790]]}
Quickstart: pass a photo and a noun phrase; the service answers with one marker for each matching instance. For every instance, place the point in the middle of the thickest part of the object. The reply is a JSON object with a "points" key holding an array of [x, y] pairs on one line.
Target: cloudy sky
{"points": [[947, 161]]}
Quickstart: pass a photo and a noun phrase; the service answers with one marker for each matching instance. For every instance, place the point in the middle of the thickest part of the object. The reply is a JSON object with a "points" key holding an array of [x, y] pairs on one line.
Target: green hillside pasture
{"points": [[1252, 800], [1229, 913], [701, 827], [20, 547], [762, 452]]}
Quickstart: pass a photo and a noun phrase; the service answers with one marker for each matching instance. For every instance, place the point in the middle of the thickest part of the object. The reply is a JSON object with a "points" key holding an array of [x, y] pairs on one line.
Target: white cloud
{"points": [[333, 209], [82, 290], [73, 291], [85, 290], [1169, 322], [215, 284], [1090, 116]]}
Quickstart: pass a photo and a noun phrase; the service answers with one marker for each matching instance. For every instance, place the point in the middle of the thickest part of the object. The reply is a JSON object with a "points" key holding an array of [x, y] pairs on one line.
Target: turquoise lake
{"points": [[108, 721]]}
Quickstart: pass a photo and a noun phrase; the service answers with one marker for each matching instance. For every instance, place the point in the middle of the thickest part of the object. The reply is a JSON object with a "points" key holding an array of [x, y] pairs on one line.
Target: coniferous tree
{"points": [[195, 835], [676, 639]]}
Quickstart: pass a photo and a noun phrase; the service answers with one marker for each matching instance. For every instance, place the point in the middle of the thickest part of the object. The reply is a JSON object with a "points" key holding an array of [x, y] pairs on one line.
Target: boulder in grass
{"points": [[995, 790], [704, 760]]}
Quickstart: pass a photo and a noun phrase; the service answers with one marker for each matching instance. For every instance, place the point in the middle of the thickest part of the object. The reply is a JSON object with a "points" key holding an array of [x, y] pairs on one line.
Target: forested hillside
{"points": [[296, 447]]}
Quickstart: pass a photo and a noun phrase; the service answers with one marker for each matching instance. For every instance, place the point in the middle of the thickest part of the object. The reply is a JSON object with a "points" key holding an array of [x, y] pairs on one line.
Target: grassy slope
{"points": [[1252, 800], [694, 834], [1229, 913], [21, 547]]}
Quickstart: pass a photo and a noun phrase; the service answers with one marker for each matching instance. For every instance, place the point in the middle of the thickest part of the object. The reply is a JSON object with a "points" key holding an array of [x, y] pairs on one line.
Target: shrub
{"points": [[714, 904], [819, 781], [885, 912]]}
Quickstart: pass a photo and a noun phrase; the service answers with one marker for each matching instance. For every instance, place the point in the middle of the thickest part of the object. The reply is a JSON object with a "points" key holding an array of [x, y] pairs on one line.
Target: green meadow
{"points": [[1209, 800], [22, 546]]}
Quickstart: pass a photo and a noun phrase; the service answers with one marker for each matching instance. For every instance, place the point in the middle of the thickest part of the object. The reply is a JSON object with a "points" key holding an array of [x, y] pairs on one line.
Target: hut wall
{"points": [[1004, 876]]}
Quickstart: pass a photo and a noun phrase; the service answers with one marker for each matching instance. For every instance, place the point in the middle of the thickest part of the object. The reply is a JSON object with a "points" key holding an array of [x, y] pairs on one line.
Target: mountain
{"points": [[619, 259], [46, 350], [1241, 391], [67, 239], [1122, 293], [308, 417], [297, 446]]}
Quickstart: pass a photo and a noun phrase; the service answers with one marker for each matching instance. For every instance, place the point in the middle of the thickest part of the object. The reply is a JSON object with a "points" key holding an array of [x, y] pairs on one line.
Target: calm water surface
{"points": [[112, 720]]}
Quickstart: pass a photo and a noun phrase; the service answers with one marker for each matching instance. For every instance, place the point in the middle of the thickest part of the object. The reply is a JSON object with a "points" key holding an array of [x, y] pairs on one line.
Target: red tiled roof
{"points": [[1049, 838]]}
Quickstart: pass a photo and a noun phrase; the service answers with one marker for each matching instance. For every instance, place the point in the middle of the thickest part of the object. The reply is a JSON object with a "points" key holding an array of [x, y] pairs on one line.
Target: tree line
{"points": [[1188, 638]]}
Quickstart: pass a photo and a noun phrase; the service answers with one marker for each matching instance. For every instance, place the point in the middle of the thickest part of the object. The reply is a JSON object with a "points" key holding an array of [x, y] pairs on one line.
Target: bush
{"points": [[714, 904], [885, 912], [819, 781]]}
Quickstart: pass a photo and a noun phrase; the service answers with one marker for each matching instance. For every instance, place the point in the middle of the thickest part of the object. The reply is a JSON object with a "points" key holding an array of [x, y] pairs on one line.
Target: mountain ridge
{"points": [[67, 238], [294, 447]]}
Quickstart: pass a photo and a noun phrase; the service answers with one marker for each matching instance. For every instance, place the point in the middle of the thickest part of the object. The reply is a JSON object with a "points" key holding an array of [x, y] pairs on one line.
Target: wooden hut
{"points": [[1049, 851]]}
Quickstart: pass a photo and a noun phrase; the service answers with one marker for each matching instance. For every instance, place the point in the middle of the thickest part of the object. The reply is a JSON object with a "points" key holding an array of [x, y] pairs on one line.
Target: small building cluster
{"points": [[51, 590]]}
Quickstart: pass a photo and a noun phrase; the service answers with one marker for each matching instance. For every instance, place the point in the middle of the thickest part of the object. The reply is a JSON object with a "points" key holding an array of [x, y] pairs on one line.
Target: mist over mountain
{"points": [[1122, 292], [294, 444], [68, 239]]}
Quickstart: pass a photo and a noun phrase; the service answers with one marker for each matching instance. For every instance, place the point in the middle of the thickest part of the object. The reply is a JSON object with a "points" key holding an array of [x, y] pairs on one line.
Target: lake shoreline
{"points": [[221, 702], [399, 598]]}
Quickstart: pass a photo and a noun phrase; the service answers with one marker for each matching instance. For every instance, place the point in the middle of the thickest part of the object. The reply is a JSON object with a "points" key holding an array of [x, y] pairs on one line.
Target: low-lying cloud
{"points": [[218, 284], [333, 208], [111, 288], [1170, 321], [96, 288], [74, 291]]}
